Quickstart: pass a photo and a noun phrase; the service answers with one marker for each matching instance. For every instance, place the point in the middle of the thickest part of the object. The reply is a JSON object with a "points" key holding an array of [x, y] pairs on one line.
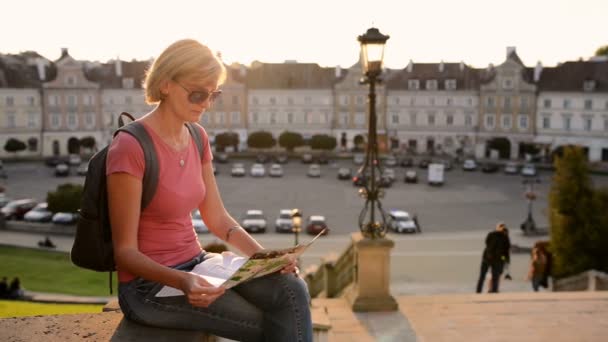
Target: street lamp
{"points": [[529, 225], [372, 55], [296, 217]]}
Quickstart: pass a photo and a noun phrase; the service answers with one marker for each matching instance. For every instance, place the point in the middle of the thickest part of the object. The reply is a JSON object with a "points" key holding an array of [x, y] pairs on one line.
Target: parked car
{"points": [[322, 159], [528, 170], [511, 168], [284, 222], [55, 160], [14, 210], [489, 167], [411, 176], [447, 164], [384, 181], [359, 179], [469, 165], [281, 158], [315, 224], [424, 163], [261, 158], [197, 222], [400, 221], [238, 170], [62, 170], [344, 173], [407, 162], [254, 221], [64, 218], [257, 170], [358, 159], [4, 200], [82, 169], [435, 175], [276, 170], [314, 170], [390, 161], [390, 173], [40, 213], [221, 157], [307, 158], [74, 159]]}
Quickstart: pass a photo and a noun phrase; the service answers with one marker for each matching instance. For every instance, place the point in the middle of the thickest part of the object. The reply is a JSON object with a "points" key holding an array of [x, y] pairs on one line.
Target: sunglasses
{"points": [[200, 96]]}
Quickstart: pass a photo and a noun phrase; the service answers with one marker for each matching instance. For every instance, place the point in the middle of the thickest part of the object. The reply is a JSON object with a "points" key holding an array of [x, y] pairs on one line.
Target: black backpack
{"points": [[92, 248]]}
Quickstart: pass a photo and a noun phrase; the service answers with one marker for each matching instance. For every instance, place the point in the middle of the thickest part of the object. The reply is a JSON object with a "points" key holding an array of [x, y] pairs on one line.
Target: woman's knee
{"points": [[295, 287]]}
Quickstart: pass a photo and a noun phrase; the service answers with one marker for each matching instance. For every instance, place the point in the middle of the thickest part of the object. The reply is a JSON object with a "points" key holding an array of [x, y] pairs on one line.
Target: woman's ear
{"points": [[164, 88]]}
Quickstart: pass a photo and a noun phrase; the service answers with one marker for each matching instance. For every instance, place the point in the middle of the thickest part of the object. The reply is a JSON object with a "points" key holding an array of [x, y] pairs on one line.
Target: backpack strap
{"points": [[151, 171], [198, 139], [121, 121]]}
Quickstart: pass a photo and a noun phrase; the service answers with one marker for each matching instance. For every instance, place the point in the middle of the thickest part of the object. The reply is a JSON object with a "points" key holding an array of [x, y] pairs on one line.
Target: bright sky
{"points": [[320, 31]]}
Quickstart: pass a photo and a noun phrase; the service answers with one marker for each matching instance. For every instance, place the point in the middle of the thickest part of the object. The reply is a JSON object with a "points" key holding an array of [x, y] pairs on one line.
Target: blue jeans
{"points": [[270, 308]]}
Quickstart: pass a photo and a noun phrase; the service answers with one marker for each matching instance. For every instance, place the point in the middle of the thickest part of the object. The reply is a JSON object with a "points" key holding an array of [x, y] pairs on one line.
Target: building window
{"points": [[31, 101], [432, 101], [10, 120], [396, 100], [589, 85], [468, 120], [507, 83], [71, 100], [220, 118], [506, 121], [413, 84], [606, 124], [431, 119], [524, 103], [606, 105], [450, 84], [449, 120], [128, 83], [89, 120], [344, 100], [490, 101], [343, 119], [235, 100], [359, 100], [431, 85], [255, 100], [10, 101], [567, 121], [547, 122], [273, 101], [523, 122], [32, 144], [566, 103], [289, 118], [547, 103], [55, 120], [588, 104], [128, 100], [469, 102], [254, 117], [449, 101], [32, 120], [273, 118], [489, 121], [70, 80], [72, 121], [588, 124], [413, 119], [412, 101], [395, 119], [53, 100], [235, 118], [507, 102], [360, 119]]}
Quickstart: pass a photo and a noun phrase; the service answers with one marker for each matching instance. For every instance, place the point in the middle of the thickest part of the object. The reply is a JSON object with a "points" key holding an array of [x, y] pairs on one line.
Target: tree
{"points": [[290, 140], [261, 139], [65, 199], [14, 145], [578, 218], [87, 142], [602, 51], [359, 140], [226, 139], [323, 142]]}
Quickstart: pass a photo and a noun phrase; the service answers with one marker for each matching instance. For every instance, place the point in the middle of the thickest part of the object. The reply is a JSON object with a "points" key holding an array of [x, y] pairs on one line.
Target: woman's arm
{"points": [[124, 200], [218, 220]]}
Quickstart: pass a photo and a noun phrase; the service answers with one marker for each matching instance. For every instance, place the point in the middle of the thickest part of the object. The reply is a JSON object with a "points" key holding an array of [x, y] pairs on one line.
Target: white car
{"points": [[314, 170], [64, 218], [528, 170], [469, 165], [284, 222], [400, 221], [276, 170], [74, 159], [358, 159], [40, 213], [197, 222], [238, 170], [390, 174], [257, 170], [254, 221], [511, 168]]}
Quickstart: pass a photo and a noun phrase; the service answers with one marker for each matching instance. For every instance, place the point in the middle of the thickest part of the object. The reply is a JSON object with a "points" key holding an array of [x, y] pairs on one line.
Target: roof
{"points": [[571, 76], [465, 76], [106, 76], [289, 76], [20, 71]]}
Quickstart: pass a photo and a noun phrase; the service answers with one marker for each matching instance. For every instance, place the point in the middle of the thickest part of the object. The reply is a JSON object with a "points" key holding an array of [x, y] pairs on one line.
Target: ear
{"points": [[164, 87]]}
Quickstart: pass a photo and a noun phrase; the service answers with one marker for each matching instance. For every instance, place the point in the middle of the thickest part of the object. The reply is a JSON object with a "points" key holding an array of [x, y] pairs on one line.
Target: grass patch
{"points": [[50, 271], [15, 308]]}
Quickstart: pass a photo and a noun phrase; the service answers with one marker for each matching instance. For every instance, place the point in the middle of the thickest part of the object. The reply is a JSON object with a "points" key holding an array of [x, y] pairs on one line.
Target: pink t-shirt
{"points": [[165, 232]]}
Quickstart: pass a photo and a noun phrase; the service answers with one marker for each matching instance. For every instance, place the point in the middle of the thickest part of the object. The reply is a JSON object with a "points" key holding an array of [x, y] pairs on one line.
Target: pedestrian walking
{"points": [[495, 255], [3, 287], [538, 265]]}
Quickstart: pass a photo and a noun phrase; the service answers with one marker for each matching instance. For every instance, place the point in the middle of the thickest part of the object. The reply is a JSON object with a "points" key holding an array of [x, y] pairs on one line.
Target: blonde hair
{"points": [[184, 59]]}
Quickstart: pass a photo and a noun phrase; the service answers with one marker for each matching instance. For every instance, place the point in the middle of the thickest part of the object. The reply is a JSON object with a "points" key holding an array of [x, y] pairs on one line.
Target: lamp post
{"points": [[372, 55], [296, 217], [529, 225]]}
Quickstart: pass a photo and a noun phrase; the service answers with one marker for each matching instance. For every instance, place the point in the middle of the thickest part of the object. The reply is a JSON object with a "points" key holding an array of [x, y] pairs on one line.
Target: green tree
{"points": [[290, 140], [578, 217], [602, 51], [65, 199], [323, 142], [261, 139], [13, 145]]}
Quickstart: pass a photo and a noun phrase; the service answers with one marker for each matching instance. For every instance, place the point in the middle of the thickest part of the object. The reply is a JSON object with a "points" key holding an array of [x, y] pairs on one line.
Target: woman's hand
{"points": [[292, 267], [199, 292]]}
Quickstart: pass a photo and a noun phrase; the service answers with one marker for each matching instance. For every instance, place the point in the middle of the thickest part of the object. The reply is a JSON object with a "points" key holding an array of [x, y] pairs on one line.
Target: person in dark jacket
{"points": [[4, 288], [495, 256]]}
